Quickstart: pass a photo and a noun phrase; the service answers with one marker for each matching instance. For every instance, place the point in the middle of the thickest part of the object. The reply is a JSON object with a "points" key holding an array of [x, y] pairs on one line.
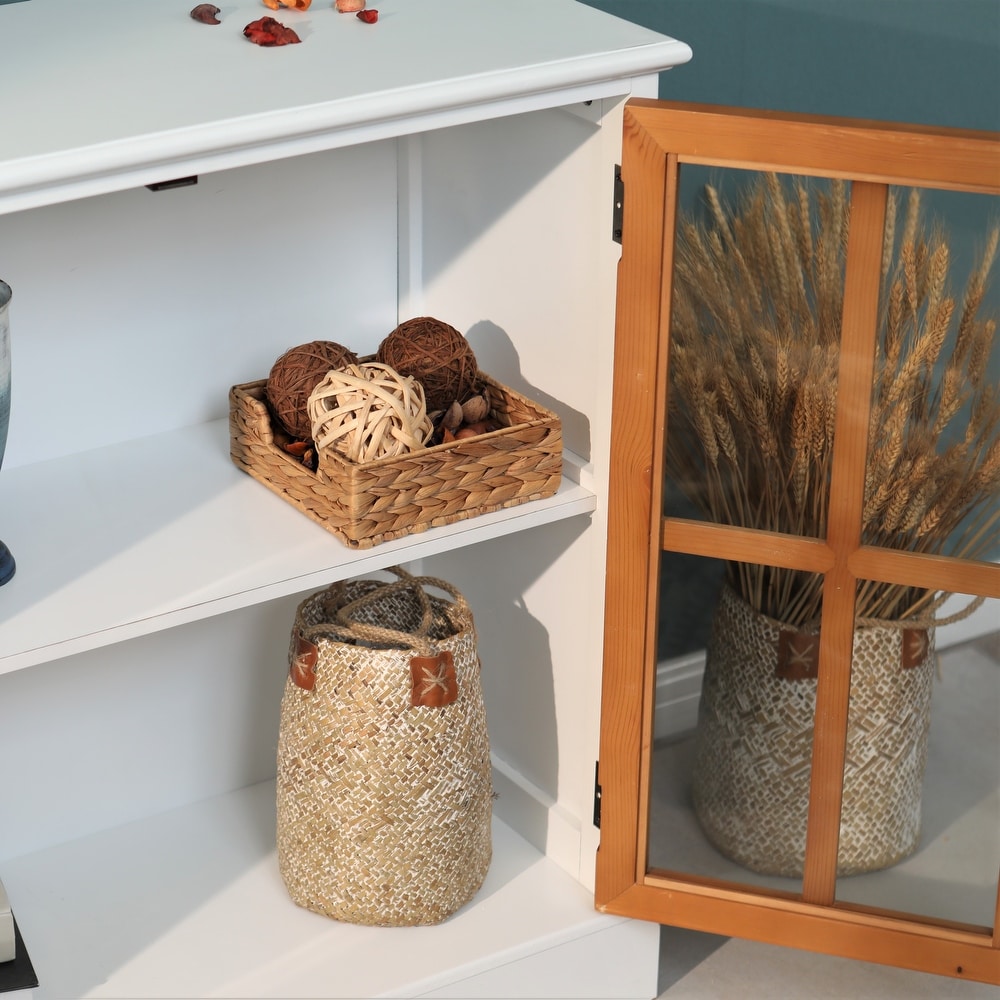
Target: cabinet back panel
{"points": [[131, 730], [124, 299]]}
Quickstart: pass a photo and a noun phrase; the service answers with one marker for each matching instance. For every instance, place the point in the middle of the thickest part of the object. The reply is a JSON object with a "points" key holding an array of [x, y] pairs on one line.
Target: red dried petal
{"points": [[205, 12], [267, 31], [368, 16]]}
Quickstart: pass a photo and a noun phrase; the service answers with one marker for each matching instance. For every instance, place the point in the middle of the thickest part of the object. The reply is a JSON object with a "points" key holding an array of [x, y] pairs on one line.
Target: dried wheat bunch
{"points": [[755, 331]]}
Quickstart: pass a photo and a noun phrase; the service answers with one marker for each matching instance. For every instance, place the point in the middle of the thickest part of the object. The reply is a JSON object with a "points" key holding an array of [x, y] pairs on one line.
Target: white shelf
{"points": [[174, 96], [140, 536], [190, 904]]}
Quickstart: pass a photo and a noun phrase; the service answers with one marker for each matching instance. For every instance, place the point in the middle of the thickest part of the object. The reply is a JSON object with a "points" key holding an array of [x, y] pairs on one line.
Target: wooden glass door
{"points": [[812, 462]]}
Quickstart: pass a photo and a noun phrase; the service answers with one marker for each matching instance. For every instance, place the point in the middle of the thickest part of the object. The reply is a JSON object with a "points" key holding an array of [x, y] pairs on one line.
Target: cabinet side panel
{"points": [[522, 260], [517, 230]]}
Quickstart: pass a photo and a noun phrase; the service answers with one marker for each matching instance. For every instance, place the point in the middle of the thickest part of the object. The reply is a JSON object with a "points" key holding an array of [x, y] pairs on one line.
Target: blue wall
{"points": [[934, 62]]}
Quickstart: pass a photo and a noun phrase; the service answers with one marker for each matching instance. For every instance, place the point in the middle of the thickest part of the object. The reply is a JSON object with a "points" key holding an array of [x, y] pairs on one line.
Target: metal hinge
{"points": [[618, 206], [597, 794]]}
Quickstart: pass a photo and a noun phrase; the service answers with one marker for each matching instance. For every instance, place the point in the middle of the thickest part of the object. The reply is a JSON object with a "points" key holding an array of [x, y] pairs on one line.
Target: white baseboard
{"points": [[678, 681], [678, 689]]}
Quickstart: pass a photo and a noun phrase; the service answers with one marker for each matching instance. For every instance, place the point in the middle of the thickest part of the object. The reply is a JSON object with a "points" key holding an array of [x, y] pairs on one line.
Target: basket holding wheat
{"points": [[755, 334]]}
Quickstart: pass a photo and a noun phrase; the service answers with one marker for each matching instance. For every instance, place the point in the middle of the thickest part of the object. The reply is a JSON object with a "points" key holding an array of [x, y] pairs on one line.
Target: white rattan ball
{"points": [[369, 411]]}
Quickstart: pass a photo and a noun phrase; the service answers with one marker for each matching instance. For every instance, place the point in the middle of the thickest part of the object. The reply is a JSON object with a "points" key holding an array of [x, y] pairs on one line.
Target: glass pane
{"points": [[933, 473], [920, 824], [920, 828], [755, 334], [730, 771]]}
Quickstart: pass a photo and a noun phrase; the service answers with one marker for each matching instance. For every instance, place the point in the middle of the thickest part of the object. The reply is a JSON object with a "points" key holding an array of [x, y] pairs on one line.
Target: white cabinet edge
{"points": [[366, 93]]}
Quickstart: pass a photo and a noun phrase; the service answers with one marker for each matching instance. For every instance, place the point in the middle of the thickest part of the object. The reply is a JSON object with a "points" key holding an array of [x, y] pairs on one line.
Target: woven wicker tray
{"points": [[364, 504]]}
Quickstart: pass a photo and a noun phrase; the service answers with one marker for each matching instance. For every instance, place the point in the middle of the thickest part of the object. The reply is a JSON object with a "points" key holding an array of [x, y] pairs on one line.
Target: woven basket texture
{"points": [[367, 503], [383, 808], [369, 411], [753, 747]]}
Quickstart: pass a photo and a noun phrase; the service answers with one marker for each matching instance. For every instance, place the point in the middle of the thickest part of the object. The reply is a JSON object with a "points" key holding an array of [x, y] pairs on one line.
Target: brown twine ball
{"points": [[369, 411], [436, 355], [294, 376]]}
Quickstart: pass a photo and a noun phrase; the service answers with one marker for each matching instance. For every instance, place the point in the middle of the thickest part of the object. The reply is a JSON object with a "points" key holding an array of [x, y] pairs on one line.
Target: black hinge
{"points": [[597, 794], [618, 208]]}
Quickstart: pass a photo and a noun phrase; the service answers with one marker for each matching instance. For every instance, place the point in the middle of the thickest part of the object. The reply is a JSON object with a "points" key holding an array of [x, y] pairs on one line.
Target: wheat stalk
{"points": [[758, 294]]}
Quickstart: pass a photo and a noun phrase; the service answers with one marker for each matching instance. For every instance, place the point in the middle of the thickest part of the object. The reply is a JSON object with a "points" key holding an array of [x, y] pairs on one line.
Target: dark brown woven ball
{"points": [[294, 376], [436, 355]]}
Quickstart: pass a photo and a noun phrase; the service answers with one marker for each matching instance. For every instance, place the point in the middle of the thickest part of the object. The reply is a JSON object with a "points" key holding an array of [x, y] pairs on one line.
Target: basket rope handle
{"points": [[417, 639], [927, 619]]}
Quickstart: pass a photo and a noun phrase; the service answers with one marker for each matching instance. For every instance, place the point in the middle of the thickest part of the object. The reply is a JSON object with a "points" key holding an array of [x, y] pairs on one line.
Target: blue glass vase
{"points": [[6, 559]]}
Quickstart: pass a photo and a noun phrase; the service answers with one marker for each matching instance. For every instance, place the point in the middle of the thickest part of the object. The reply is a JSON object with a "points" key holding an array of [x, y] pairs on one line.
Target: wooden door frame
{"points": [[658, 137]]}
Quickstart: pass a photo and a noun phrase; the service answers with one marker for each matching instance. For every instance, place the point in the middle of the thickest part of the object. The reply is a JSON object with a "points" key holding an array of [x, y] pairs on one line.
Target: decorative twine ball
{"points": [[436, 355], [368, 411], [295, 374]]}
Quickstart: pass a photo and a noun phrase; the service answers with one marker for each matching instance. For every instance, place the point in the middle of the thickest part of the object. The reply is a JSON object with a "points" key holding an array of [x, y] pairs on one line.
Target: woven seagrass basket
{"points": [[366, 503], [384, 791], [753, 744]]}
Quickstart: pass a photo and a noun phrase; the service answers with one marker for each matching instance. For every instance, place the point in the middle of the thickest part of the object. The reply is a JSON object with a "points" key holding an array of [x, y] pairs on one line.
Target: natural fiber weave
{"points": [[364, 504], [369, 411], [754, 747], [435, 354], [384, 809]]}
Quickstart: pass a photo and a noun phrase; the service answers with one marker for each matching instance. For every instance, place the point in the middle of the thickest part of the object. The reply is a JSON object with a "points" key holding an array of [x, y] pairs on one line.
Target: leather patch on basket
{"points": [[798, 655], [434, 680], [914, 647], [302, 665]]}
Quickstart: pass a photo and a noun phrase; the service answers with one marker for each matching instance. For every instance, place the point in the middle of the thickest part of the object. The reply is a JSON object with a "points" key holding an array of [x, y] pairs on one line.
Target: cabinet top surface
{"points": [[92, 89]]}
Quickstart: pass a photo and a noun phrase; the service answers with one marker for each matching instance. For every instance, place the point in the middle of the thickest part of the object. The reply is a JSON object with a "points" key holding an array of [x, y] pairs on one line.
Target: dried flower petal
{"points": [[296, 448], [291, 4], [205, 12], [349, 6], [268, 32], [368, 16]]}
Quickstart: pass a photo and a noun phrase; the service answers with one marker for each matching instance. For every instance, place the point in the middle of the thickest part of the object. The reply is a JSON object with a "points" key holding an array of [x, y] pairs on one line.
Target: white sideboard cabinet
{"points": [[177, 207]]}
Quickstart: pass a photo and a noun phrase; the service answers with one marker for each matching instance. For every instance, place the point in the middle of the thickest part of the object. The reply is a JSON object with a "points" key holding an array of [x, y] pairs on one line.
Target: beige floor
{"points": [[953, 872]]}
